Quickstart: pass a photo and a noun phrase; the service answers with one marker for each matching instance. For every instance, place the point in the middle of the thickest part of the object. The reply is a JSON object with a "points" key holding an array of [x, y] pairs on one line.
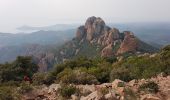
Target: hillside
{"points": [[95, 38], [142, 77]]}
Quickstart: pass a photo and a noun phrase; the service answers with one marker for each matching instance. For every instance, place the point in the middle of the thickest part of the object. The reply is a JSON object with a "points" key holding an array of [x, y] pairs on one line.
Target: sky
{"points": [[16, 13]]}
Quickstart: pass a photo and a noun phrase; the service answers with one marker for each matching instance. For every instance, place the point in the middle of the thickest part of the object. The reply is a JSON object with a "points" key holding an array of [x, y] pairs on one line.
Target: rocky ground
{"points": [[117, 90]]}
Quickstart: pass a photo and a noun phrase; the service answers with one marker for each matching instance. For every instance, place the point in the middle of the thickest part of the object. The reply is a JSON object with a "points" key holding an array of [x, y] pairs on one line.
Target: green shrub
{"points": [[120, 73], [42, 78], [25, 87], [121, 84], [84, 78], [67, 90], [150, 87], [104, 91], [76, 77], [66, 76], [8, 93]]}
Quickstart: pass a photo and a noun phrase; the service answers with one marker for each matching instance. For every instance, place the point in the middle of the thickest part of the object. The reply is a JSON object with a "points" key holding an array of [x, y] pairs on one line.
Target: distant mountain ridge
{"points": [[40, 37], [57, 27], [93, 39]]}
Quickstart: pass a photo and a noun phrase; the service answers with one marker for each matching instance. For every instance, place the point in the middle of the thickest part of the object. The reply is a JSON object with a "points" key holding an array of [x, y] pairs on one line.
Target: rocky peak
{"points": [[111, 40], [93, 26]]}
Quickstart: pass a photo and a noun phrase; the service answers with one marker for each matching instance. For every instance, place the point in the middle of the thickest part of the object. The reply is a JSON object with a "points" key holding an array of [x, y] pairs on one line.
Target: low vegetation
{"points": [[82, 70], [150, 87]]}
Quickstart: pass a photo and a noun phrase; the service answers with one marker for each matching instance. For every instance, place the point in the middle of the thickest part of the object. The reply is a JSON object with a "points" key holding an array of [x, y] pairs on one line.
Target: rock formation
{"points": [[110, 39], [116, 90]]}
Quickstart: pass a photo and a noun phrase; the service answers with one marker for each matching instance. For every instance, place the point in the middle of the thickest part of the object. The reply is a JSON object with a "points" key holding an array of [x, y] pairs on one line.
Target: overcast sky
{"points": [[15, 13]]}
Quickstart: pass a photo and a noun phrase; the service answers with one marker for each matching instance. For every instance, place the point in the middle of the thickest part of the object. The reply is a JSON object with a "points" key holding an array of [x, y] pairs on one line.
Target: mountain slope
{"points": [[95, 38]]}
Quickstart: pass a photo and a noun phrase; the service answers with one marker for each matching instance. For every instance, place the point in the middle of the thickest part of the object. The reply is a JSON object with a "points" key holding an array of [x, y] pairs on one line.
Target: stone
{"points": [[149, 97], [132, 83], [110, 96], [93, 96], [54, 87], [116, 82]]}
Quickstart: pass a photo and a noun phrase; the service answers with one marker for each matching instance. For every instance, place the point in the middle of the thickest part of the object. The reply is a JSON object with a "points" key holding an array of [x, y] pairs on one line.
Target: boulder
{"points": [[54, 87], [110, 96], [93, 96], [116, 82], [149, 97]]}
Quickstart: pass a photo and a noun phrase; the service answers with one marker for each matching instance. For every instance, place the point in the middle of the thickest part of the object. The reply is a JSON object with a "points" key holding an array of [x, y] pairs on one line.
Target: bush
{"points": [[25, 88], [150, 87], [67, 76], [67, 90], [16, 70], [76, 77], [120, 73], [42, 78], [85, 78], [8, 93], [104, 91]]}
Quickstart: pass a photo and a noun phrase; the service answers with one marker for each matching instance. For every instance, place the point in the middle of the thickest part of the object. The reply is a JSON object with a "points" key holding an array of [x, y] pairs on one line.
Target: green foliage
{"points": [[84, 71], [149, 86], [8, 93], [67, 90], [104, 91], [165, 58], [120, 73], [135, 67], [40, 78], [25, 87], [18, 69], [76, 77]]}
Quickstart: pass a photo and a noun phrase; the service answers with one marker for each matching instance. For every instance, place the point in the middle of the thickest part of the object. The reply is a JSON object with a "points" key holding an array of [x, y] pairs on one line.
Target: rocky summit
{"points": [[108, 41], [94, 39]]}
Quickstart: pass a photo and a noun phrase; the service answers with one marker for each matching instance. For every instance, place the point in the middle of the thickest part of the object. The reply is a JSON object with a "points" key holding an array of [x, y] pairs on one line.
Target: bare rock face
{"points": [[110, 40], [129, 43], [93, 27], [80, 32], [96, 32], [109, 37], [107, 51]]}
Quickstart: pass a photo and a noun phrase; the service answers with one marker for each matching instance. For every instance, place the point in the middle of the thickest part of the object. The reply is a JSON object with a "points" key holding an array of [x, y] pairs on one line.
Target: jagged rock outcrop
{"points": [[94, 26], [95, 38], [117, 90], [110, 39]]}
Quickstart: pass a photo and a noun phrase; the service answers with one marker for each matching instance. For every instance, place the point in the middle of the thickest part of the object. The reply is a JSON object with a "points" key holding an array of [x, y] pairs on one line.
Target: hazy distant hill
{"points": [[154, 33], [57, 27], [39, 37]]}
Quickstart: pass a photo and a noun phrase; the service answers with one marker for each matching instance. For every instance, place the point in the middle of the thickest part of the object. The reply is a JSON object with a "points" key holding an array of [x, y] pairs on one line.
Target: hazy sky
{"points": [[15, 13]]}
